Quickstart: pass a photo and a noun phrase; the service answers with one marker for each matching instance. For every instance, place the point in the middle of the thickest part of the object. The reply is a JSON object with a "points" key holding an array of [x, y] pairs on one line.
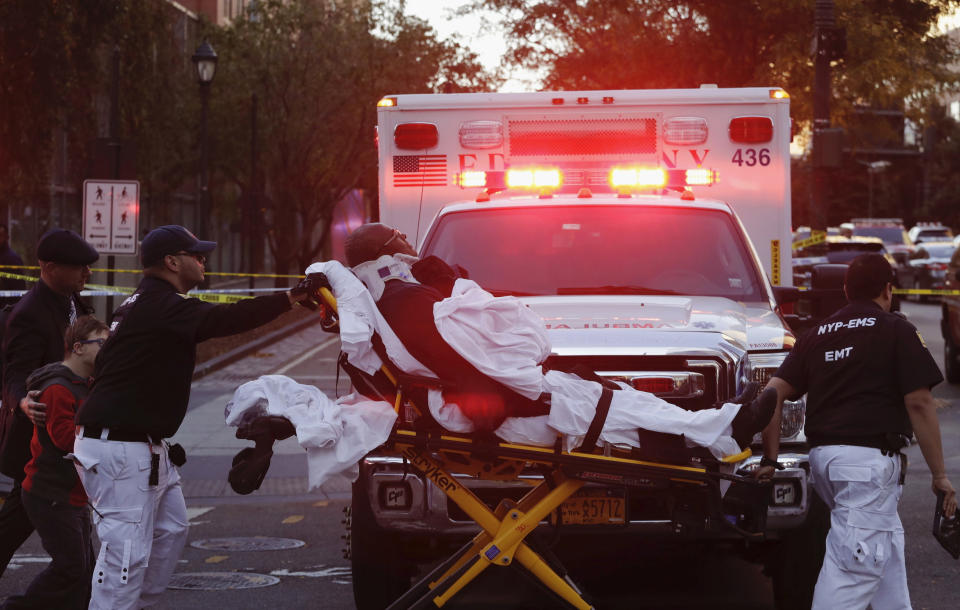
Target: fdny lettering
{"points": [[430, 470], [837, 354], [853, 323], [469, 162], [698, 158]]}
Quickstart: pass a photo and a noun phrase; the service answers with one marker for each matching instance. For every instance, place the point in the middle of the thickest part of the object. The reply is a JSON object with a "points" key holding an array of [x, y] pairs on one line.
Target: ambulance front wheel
{"points": [[380, 574]]}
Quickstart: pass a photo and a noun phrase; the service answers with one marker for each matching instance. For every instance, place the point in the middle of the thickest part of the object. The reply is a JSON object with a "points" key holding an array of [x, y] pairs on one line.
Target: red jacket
{"points": [[49, 474]]}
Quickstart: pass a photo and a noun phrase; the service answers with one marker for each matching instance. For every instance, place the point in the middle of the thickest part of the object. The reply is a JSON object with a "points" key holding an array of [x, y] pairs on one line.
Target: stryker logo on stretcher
{"points": [[429, 470], [854, 323]]}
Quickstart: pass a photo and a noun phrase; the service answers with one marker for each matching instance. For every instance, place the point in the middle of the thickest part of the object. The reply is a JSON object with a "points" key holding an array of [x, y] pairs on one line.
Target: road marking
{"points": [[321, 503], [30, 559], [195, 511], [293, 519], [216, 559], [306, 355], [335, 571]]}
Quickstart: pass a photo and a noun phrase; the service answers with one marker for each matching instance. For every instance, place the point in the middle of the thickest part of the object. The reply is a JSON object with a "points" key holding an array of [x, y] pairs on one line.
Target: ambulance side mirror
{"points": [[786, 294]]}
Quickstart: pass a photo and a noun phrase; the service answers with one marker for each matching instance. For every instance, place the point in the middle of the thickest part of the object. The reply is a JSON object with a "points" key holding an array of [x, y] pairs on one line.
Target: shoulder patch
{"points": [[922, 342]]}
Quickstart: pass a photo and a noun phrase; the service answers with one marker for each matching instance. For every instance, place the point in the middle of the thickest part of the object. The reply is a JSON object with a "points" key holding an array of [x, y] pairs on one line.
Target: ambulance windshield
{"points": [[615, 250]]}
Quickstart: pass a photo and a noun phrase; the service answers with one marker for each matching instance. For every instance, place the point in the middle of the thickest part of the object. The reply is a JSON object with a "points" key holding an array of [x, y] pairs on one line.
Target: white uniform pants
{"points": [[864, 563], [142, 528]]}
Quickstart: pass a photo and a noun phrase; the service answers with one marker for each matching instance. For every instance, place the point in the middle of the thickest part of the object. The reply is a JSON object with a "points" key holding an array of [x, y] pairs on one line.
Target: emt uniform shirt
{"points": [[856, 366], [143, 372]]}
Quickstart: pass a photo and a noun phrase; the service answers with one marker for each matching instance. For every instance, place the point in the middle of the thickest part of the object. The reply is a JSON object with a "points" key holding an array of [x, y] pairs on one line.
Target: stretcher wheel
{"points": [[380, 573]]}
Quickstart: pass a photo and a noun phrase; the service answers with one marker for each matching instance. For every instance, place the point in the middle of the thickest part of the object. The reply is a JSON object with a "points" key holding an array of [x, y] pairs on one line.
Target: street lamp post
{"points": [[205, 60], [873, 168]]}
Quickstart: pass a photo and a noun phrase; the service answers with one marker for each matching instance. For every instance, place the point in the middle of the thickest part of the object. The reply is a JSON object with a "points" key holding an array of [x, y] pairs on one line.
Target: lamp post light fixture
{"points": [[205, 60]]}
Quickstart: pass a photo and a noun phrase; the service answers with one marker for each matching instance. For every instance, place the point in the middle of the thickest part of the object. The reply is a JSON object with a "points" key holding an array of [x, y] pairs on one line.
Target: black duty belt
{"points": [[887, 443], [118, 435]]}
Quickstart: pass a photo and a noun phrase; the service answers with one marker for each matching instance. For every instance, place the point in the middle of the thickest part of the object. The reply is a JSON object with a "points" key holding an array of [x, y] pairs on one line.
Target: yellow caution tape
{"points": [[223, 273], [816, 237], [211, 297]]}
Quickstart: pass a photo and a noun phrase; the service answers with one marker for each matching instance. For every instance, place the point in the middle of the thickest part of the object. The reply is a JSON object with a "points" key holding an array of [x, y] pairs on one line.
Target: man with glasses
{"points": [[139, 397], [33, 338]]}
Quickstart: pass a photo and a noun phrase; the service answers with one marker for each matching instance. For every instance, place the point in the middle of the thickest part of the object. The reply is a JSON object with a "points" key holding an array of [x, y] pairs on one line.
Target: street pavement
{"points": [[315, 574]]}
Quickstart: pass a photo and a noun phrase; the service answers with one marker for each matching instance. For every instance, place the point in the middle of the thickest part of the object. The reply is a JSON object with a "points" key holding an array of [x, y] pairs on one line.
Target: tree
{"points": [[318, 69], [892, 54], [55, 78]]}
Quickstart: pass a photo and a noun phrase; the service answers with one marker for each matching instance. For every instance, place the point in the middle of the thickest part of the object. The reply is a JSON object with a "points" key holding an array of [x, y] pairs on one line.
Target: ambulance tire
{"points": [[951, 359], [797, 562], [380, 574]]}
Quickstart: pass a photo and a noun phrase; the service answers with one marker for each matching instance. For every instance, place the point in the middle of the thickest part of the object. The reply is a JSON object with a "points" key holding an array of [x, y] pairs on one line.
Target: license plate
{"points": [[784, 493], [594, 507]]}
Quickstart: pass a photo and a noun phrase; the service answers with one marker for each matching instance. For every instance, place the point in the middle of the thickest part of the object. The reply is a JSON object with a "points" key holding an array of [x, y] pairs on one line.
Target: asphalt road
{"points": [[315, 575]]}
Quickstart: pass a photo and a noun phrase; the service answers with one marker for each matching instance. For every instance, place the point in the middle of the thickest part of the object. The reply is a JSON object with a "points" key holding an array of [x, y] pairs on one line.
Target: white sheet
{"points": [[498, 335], [335, 434]]}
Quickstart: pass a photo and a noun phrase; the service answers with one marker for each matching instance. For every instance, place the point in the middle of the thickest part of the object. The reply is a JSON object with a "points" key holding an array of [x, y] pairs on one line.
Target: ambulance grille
{"points": [[627, 138]]}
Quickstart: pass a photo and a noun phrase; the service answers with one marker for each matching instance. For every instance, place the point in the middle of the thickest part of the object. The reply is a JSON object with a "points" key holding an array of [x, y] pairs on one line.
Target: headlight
{"points": [[791, 420], [763, 368]]}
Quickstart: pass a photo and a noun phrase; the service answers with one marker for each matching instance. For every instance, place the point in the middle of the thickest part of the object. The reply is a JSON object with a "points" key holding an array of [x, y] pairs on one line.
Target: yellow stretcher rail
{"points": [[440, 456]]}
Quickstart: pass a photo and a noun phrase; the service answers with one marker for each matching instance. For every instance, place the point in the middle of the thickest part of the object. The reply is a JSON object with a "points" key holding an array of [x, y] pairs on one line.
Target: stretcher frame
{"points": [[501, 541]]}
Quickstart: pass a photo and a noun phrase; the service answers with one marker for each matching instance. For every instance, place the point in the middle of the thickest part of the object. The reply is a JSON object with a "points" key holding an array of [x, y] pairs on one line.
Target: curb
{"points": [[205, 368]]}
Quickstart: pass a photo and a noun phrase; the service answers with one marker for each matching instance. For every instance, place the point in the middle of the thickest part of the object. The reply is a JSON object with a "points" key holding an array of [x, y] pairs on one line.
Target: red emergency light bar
{"points": [[619, 178], [657, 177]]}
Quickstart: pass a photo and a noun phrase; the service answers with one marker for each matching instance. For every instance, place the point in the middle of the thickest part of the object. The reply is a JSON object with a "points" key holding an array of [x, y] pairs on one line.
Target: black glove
{"points": [[311, 286]]}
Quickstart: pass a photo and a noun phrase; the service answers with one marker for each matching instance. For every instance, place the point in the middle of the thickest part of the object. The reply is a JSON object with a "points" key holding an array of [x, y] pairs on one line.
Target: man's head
{"points": [[4, 235], [65, 260], [372, 240], [870, 278], [82, 342], [175, 254]]}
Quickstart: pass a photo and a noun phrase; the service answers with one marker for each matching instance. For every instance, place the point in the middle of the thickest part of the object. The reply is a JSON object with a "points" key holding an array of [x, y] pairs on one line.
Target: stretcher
{"points": [[444, 458]]}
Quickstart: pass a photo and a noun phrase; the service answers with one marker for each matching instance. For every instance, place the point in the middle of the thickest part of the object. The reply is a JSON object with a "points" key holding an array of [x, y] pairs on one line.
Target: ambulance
{"points": [[651, 231]]}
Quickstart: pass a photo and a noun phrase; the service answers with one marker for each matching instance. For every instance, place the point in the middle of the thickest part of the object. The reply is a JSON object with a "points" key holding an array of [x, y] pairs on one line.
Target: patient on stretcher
{"points": [[491, 349]]}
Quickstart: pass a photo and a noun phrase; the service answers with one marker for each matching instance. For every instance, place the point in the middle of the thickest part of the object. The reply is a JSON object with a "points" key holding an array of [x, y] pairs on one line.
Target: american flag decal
{"points": [[419, 170]]}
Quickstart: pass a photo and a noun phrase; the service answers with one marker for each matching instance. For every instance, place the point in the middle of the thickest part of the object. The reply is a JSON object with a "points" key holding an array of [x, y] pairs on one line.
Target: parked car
{"points": [[929, 231], [890, 230], [836, 250], [950, 321], [927, 268]]}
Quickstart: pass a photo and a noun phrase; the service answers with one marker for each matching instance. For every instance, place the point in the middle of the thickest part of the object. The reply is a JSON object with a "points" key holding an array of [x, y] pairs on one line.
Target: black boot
{"points": [[754, 417]]}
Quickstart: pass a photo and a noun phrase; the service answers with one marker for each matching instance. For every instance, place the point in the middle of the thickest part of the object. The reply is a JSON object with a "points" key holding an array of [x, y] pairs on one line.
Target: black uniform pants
{"points": [[15, 526], [66, 534]]}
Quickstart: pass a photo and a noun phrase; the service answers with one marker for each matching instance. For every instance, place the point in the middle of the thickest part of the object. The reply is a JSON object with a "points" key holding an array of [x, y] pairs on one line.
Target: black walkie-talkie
{"points": [[946, 529]]}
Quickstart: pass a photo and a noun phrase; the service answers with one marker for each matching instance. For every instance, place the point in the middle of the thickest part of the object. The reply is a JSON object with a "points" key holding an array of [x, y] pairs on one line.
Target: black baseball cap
{"points": [[170, 239], [65, 247]]}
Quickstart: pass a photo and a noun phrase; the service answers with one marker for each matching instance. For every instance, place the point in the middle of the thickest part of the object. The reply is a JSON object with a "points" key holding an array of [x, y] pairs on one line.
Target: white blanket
{"points": [[335, 434], [503, 339]]}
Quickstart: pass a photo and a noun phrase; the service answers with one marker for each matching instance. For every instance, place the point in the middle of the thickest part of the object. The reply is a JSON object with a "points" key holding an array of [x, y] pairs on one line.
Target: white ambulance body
{"points": [[428, 142]]}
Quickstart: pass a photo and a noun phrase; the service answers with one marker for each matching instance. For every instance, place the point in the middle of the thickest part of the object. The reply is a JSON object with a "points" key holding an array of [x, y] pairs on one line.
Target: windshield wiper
{"points": [[500, 292], [619, 289]]}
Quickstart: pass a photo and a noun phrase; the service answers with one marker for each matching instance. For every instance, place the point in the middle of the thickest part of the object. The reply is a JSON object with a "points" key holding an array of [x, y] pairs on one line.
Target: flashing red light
{"points": [[654, 385], [473, 179], [540, 178], [751, 129], [415, 136]]}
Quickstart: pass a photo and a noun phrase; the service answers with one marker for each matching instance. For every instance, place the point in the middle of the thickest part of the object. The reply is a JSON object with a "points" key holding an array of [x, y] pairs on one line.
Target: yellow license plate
{"points": [[593, 507]]}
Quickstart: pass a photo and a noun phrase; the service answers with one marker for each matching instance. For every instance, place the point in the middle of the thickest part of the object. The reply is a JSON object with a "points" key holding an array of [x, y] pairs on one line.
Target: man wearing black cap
{"points": [[33, 338], [138, 398]]}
